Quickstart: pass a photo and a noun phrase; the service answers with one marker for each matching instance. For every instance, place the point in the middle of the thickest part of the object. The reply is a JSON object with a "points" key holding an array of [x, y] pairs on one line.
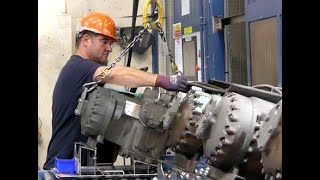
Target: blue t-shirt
{"points": [[66, 128]]}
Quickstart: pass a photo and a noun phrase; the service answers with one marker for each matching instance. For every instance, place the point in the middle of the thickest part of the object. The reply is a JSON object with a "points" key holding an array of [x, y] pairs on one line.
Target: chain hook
{"points": [[145, 19]]}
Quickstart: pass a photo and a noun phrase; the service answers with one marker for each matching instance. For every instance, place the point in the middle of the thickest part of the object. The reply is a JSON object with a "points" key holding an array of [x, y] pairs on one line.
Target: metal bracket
{"points": [[171, 112], [219, 23], [269, 126], [81, 100]]}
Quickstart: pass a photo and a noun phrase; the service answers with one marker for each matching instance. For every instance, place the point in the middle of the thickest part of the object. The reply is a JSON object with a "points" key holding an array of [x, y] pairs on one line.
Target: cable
{"points": [[208, 87], [272, 88]]}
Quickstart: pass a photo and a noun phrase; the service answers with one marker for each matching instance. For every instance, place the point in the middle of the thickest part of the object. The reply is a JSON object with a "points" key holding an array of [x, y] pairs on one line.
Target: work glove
{"points": [[172, 83]]}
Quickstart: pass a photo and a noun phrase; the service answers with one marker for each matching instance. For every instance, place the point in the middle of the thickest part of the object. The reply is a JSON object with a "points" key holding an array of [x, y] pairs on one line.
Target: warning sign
{"points": [[177, 30]]}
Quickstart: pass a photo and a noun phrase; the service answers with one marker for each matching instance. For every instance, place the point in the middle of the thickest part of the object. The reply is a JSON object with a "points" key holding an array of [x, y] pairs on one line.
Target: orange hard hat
{"points": [[98, 23]]}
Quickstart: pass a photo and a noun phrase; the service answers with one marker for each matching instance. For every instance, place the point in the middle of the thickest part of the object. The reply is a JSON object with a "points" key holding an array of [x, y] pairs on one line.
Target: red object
{"points": [[197, 68]]}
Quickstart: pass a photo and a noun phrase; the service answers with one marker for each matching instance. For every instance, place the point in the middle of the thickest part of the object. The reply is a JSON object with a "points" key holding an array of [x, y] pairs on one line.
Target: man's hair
{"points": [[80, 35]]}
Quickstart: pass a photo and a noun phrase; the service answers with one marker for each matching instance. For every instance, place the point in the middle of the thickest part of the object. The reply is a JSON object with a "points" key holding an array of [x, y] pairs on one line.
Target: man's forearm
{"points": [[128, 76]]}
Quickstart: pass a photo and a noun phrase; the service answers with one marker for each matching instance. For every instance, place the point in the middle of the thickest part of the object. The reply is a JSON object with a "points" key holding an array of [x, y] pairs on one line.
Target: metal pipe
{"points": [[155, 55], [226, 57], [202, 40], [134, 17]]}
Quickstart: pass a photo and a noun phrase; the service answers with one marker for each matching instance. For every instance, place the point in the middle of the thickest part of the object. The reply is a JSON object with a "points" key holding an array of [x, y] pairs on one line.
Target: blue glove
{"points": [[172, 83]]}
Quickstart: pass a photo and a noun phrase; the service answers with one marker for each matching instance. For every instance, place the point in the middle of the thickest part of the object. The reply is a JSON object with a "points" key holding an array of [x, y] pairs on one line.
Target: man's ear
{"points": [[85, 40]]}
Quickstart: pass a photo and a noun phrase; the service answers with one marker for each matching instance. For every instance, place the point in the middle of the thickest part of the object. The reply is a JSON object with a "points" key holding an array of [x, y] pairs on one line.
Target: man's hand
{"points": [[172, 83]]}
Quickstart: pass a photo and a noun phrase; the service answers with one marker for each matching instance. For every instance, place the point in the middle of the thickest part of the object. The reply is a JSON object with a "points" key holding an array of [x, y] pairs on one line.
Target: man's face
{"points": [[100, 47]]}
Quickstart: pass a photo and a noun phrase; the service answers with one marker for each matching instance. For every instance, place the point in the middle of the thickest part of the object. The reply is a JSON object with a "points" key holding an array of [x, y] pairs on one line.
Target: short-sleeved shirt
{"points": [[66, 126]]}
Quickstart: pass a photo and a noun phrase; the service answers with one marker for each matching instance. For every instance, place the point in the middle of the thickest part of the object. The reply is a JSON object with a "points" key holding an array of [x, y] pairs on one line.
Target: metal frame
{"points": [[105, 171]]}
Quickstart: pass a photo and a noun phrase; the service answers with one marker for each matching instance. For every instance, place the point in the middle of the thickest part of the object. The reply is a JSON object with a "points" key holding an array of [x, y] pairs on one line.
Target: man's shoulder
{"points": [[75, 59]]}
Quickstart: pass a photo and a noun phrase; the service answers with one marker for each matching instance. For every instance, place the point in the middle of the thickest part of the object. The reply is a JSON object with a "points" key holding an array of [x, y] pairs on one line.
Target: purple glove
{"points": [[172, 83]]}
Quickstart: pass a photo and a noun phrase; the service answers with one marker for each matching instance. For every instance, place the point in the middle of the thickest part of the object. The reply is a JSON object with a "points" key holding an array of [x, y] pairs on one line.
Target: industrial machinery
{"points": [[235, 129]]}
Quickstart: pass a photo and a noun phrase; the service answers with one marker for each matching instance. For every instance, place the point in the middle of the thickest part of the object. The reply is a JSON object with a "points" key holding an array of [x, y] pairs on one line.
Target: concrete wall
{"points": [[56, 31]]}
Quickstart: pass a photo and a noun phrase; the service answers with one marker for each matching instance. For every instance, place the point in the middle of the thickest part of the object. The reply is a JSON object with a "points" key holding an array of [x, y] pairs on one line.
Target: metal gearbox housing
{"points": [[230, 128]]}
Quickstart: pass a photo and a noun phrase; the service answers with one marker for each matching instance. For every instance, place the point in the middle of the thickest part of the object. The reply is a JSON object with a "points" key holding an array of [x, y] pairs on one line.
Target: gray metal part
{"points": [[239, 113], [81, 101], [189, 123], [217, 174], [255, 92], [132, 109], [214, 173], [102, 106], [151, 113], [250, 162], [226, 156], [136, 141], [269, 125], [171, 113], [105, 115], [205, 123], [270, 141], [184, 126]]}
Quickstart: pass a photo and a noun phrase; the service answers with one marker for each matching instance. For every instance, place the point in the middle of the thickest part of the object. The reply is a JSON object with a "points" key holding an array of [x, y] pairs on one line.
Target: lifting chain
{"points": [[163, 38], [103, 73], [147, 25]]}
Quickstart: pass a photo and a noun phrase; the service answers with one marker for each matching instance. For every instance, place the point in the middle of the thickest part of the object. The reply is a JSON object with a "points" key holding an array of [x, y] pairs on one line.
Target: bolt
{"points": [[192, 123], [266, 176], [219, 152], [270, 129], [260, 148], [196, 102], [233, 107], [224, 141], [77, 112], [232, 118], [208, 161], [213, 158], [196, 112], [278, 175], [229, 130]]}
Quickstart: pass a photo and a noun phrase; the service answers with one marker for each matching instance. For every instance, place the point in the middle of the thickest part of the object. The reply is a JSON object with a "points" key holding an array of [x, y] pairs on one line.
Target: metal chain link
{"points": [[163, 38], [103, 75], [125, 51]]}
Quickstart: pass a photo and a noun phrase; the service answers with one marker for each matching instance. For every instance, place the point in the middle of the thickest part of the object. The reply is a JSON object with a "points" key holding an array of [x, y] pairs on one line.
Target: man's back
{"points": [[66, 127]]}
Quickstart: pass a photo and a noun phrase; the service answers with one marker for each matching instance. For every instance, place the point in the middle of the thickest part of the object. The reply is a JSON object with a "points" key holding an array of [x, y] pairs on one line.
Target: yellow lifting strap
{"points": [[145, 20]]}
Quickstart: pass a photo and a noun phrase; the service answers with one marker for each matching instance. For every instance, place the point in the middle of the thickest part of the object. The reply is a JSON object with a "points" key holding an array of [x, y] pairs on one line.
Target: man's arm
{"points": [[126, 76], [131, 77]]}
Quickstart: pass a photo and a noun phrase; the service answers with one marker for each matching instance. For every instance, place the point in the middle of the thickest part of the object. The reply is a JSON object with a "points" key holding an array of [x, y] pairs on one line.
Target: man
{"points": [[96, 33]]}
